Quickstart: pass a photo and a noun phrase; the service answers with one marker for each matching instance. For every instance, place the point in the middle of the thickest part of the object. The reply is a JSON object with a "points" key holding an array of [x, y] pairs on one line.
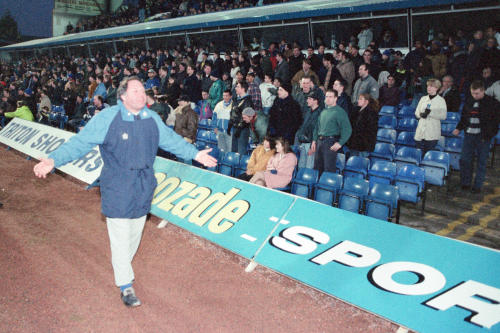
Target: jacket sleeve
{"points": [[345, 127], [91, 135], [438, 110]]}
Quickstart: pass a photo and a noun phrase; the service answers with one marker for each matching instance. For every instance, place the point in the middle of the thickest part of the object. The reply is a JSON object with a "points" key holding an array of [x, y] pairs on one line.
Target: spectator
{"points": [[437, 59], [22, 112], [254, 92], [206, 81], [216, 90], [267, 97], [305, 71], [343, 100], [111, 97], [191, 85], [280, 167], [431, 109], [366, 84], [346, 70], [173, 91], [295, 61], [306, 130], [203, 107], [221, 116], [152, 104], [371, 64], [365, 36], [240, 128], [494, 90], [285, 116], [235, 68], [364, 123], [389, 92], [282, 69], [330, 133], [450, 94], [316, 61], [76, 120], [479, 121], [186, 120], [259, 158]]}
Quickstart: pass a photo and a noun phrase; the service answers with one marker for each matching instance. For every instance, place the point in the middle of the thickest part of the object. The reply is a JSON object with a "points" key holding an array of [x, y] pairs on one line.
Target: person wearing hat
{"points": [[238, 127], [285, 116], [153, 80], [306, 130], [186, 120], [215, 91]]}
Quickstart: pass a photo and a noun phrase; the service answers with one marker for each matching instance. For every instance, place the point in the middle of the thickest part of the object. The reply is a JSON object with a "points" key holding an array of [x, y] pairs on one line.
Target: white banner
{"points": [[80, 7], [37, 141]]}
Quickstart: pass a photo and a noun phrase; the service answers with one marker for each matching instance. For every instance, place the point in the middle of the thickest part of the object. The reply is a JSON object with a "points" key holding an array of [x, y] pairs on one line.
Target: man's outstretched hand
{"points": [[204, 158], [43, 167]]}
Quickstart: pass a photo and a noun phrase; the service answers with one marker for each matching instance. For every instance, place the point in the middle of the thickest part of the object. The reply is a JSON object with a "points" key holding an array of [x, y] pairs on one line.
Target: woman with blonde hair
{"points": [[431, 109]]}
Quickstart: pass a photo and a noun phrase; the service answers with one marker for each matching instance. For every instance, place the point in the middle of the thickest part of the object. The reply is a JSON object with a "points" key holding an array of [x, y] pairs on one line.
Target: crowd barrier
{"points": [[416, 279]]}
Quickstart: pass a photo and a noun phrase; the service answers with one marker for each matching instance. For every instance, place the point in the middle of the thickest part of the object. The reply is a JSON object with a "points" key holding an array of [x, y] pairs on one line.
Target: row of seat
{"points": [[353, 194], [409, 124]]}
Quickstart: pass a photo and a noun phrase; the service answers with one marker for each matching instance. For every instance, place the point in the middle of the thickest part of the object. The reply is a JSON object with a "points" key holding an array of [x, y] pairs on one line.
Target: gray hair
{"points": [[122, 88]]}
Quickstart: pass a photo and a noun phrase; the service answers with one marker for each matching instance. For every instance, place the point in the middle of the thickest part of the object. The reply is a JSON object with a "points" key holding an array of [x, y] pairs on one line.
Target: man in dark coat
{"points": [[285, 116]]}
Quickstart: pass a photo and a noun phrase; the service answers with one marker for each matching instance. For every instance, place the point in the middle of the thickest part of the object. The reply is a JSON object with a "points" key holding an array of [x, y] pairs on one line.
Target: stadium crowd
{"points": [[318, 101], [137, 11]]}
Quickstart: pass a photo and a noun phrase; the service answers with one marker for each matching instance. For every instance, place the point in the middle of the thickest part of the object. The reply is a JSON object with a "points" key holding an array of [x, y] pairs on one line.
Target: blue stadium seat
{"points": [[382, 172], [407, 125], [415, 100], [296, 150], [383, 151], [408, 155], [242, 166], [452, 117], [387, 122], [229, 162], [406, 139], [328, 187], [212, 139], [304, 181], [382, 202], [353, 194], [410, 181], [205, 124], [453, 146], [406, 111], [447, 128], [357, 167], [386, 135], [387, 110], [436, 165], [203, 136]]}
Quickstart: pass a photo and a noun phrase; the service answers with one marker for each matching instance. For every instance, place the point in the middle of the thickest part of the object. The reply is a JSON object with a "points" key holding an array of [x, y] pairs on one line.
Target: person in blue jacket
{"points": [[128, 135]]}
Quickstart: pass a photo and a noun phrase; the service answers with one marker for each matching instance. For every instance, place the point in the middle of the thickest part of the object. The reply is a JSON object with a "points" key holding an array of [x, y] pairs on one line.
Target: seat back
{"points": [[340, 162], [452, 117], [408, 155], [387, 122], [229, 161], [357, 167], [410, 181], [406, 139], [304, 181], [384, 151], [242, 165], [387, 110], [407, 124], [447, 128], [386, 135], [382, 201], [407, 111], [382, 172], [353, 194]]}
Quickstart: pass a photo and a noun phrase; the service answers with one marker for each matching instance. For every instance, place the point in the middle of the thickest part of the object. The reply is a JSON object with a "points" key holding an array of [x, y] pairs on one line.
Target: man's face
{"points": [[204, 95], [305, 66], [362, 71], [226, 97], [207, 70], [296, 51], [306, 85], [134, 98], [390, 81], [250, 78], [447, 82], [151, 75], [330, 99], [338, 87], [418, 44], [310, 51], [477, 94], [282, 93], [321, 49], [312, 103], [486, 72], [238, 89], [97, 102], [367, 57]]}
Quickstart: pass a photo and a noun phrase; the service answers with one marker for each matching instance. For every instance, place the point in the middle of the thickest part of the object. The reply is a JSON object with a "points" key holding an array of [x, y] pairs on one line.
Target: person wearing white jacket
{"points": [[431, 109]]}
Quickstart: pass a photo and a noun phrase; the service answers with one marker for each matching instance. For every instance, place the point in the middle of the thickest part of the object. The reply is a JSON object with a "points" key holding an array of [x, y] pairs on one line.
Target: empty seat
{"points": [[452, 117], [406, 139], [407, 125], [408, 155], [447, 128], [357, 167], [382, 202], [387, 122], [203, 136], [353, 194], [328, 187], [204, 124], [387, 110], [436, 165], [382, 172], [304, 181], [386, 135], [383, 151], [229, 162], [410, 181], [407, 111], [453, 146], [242, 165]]}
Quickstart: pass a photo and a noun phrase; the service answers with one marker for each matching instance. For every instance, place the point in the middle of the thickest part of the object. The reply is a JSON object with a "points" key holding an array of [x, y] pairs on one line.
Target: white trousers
{"points": [[124, 238]]}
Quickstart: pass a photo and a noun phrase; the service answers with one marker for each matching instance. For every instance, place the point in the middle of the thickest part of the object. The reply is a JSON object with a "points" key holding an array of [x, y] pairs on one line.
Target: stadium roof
{"points": [[291, 10]]}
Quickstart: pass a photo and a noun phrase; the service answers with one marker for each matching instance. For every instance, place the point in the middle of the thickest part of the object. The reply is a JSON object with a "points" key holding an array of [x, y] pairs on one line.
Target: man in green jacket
{"points": [[22, 112], [216, 89], [332, 131]]}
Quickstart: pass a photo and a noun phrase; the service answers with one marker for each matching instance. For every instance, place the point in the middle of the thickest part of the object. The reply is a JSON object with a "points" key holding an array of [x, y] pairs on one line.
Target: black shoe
{"points": [[475, 190], [129, 298], [465, 187]]}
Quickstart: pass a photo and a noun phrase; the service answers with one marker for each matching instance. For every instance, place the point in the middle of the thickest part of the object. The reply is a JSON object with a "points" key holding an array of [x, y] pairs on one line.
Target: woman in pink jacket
{"points": [[279, 169]]}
